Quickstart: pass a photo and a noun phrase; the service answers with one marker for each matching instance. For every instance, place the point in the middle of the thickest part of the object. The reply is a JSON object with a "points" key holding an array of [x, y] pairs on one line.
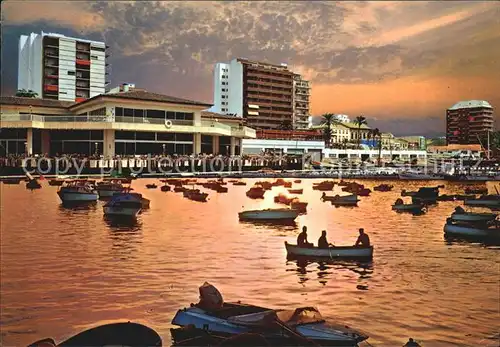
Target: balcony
{"points": [[50, 88], [86, 122], [83, 62]]}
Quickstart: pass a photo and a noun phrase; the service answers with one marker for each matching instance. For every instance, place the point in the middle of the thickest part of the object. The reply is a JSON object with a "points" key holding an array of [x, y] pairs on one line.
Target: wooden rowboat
{"points": [[296, 191], [277, 214], [331, 252]]}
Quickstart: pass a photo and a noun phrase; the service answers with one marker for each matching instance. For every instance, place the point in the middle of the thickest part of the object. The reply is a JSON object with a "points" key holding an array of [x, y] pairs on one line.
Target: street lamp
{"points": [[95, 143], [163, 145]]}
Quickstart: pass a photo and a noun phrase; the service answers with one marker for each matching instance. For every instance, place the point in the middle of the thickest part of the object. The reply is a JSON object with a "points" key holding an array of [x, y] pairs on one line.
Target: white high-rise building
{"points": [[60, 67], [268, 96]]}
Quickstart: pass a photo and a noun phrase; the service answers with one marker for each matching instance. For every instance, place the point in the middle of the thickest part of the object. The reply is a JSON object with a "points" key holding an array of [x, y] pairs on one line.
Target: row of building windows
{"points": [[153, 136], [129, 112]]}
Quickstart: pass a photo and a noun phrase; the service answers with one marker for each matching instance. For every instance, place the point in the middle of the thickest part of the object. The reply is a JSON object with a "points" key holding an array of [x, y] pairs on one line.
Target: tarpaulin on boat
{"points": [[298, 316], [210, 297]]}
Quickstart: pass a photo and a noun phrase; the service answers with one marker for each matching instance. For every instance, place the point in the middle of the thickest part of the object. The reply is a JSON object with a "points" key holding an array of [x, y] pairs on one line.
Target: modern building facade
{"points": [[135, 122], [468, 122], [262, 93], [301, 102], [62, 68]]}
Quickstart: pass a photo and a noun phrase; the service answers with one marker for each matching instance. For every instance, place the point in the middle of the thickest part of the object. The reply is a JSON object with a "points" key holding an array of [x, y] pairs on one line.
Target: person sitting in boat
{"points": [[322, 242], [363, 239], [399, 202], [302, 238], [459, 210]]}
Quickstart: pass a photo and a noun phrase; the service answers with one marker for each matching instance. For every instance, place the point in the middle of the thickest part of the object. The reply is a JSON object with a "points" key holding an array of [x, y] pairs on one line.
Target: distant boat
{"points": [[11, 180], [256, 192], [473, 217], [33, 184], [471, 230], [400, 206], [56, 182], [123, 205], [108, 188], [383, 188], [419, 176], [296, 191], [492, 201], [277, 214], [151, 186], [331, 252]]}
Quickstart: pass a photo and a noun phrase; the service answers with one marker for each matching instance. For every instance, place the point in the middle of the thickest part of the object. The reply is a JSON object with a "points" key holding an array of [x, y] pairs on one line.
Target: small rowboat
{"points": [[473, 217], [239, 183], [492, 201], [471, 231], [331, 252], [151, 186], [11, 180], [165, 188], [337, 200], [277, 214], [383, 188], [56, 182], [414, 208], [296, 191]]}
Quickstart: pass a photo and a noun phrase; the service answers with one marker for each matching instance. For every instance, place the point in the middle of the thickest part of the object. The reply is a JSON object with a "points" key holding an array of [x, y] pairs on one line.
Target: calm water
{"points": [[65, 270]]}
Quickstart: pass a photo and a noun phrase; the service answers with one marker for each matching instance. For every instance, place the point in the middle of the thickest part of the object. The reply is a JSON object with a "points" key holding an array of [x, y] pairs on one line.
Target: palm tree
{"points": [[360, 121], [369, 137], [26, 93], [326, 121], [375, 133]]}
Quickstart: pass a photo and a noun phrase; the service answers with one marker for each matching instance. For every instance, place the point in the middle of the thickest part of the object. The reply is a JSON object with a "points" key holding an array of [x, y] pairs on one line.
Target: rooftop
{"points": [[37, 102], [214, 115], [143, 95], [470, 104], [455, 148]]}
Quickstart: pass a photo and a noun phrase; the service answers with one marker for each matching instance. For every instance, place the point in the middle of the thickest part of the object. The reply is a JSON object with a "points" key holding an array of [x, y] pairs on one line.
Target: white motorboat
{"points": [[123, 205], [331, 252], [492, 201], [472, 230], [278, 327], [338, 200], [473, 217], [77, 191], [270, 214], [108, 188]]}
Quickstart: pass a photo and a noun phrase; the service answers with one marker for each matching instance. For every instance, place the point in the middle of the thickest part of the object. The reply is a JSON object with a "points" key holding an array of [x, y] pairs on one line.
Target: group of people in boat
{"points": [[362, 241]]}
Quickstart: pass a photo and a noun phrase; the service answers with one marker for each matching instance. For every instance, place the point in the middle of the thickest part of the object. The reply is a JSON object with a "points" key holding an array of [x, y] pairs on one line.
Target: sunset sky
{"points": [[401, 64]]}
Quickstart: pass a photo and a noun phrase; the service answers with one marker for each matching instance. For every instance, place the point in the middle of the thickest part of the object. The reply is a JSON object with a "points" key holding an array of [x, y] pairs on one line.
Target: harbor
{"points": [[146, 268]]}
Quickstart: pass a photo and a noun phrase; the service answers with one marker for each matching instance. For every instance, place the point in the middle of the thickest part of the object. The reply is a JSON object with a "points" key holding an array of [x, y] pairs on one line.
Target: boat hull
{"points": [[269, 215], [473, 217], [483, 203], [332, 252], [121, 211], [78, 197], [460, 230]]}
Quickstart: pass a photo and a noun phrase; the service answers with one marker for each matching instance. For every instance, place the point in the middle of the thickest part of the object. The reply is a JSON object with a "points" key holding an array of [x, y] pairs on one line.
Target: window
{"points": [[128, 112], [99, 49], [118, 111], [71, 73], [224, 96], [138, 113], [224, 83], [94, 57]]}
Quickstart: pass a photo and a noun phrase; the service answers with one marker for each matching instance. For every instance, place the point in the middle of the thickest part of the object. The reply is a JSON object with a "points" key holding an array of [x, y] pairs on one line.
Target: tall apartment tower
{"points": [[468, 121], [264, 94], [60, 67], [301, 102]]}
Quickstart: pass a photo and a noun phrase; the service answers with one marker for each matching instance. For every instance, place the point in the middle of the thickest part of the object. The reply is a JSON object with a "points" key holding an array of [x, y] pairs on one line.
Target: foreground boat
{"points": [[350, 252], [114, 334], [214, 322], [123, 205], [491, 201], [108, 188], [76, 192], [276, 214], [400, 206]]}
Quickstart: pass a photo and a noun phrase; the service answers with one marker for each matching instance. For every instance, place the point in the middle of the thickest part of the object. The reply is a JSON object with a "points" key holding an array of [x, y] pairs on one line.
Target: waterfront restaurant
{"points": [[135, 122]]}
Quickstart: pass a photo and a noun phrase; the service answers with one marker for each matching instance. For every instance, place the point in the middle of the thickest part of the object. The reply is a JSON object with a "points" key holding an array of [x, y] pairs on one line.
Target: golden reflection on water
{"points": [[67, 269]]}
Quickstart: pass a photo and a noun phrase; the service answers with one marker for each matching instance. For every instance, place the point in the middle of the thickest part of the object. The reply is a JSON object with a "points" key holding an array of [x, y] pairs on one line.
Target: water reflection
{"points": [[123, 223], [325, 269], [483, 241], [78, 206], [284, 225]]}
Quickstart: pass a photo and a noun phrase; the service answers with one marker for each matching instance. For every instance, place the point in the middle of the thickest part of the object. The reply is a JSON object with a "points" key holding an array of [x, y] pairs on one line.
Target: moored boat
{"points": [[296, 191], [282, 199], [472, 229], [400, 206], [11, 180], [56, 182], [345, 200], [239, 183], [256, 192], [276, 214], [213, 317], [33, 184], [330, 252], [151, 186], [108, 188], [298, 205], [383, 188], [491, 201], [123, 205], [77, 191], [324, 186], [165, 188], [461, 216], [476, 190]]}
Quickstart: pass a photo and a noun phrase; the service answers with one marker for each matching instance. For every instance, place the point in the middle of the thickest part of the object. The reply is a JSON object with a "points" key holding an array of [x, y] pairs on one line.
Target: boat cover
{"points": [[210, 297]]}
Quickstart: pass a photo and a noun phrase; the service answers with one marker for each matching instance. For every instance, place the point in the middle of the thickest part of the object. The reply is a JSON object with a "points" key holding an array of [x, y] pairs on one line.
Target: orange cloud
{"points": [[76, 15], [404, 97]]}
